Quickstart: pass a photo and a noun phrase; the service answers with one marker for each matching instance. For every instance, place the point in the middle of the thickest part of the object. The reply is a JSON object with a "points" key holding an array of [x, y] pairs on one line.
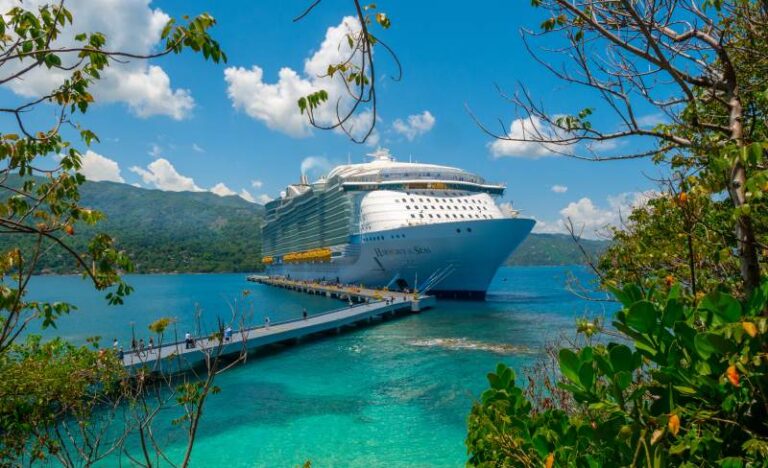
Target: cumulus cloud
{"points": [[274, 104], [99, 168], [197, 148], [559, 188], [257, 184], [415, 125], [527, 129], [222, 190], [161, 174], [246, 195], [146, 89], [591, 219]]}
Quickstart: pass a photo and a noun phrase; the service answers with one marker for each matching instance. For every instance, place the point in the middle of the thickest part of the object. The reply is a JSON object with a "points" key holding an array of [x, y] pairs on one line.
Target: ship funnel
{"points": [[304, 180]]}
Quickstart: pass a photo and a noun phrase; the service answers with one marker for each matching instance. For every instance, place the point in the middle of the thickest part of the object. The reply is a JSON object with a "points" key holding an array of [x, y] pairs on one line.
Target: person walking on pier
{"points": [[115, 344], [188, 341], [266, 321], [151, 345], [121, 353], [141, 345], [304, 313], [133, 343], [228, 334]]}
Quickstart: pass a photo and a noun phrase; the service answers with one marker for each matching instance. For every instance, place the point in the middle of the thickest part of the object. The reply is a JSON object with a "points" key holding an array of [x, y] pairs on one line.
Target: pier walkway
{"points": [[371, 304]]}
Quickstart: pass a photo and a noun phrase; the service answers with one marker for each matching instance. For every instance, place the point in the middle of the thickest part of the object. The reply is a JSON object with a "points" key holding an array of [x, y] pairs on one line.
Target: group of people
{"points": [[136, 346]]}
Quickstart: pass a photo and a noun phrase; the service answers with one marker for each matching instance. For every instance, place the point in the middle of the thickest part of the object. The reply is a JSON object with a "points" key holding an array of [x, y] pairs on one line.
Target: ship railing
{"points": [[436, 278]]}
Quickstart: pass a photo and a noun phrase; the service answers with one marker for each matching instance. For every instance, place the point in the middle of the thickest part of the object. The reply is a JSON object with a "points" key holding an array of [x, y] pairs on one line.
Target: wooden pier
{"points": [[366, 305]]}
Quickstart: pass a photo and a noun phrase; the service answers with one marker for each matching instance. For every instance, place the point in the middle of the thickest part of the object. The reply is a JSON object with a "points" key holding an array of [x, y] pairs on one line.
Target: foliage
{"points": [[49, 391], [165, 231], [46, 383], [689, 390]]}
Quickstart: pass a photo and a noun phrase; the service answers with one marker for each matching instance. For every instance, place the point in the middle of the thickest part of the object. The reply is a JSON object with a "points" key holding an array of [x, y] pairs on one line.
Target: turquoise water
{"points": [[394, 394]]}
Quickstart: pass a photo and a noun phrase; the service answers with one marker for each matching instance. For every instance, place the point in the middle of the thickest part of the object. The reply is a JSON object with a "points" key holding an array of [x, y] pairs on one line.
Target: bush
{"points": [[689, 390]]}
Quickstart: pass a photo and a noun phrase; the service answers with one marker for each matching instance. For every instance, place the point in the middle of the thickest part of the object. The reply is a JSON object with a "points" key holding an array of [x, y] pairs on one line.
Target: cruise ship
{"points": [[399, 225]]}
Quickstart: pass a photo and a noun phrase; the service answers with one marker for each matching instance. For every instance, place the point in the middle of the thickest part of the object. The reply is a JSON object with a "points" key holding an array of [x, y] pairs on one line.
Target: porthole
{"points": [[458, 230]]}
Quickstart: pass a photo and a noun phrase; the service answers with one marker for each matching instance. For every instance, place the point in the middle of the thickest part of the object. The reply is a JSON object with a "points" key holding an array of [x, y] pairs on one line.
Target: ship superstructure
{"points": [[395, 224]]}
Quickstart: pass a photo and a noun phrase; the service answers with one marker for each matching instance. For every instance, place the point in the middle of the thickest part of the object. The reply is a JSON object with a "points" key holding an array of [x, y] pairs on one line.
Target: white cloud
{"points": [[264, 199], [129, 25], [246, 195], [162, 175], [197, 148], [136, 184], [257, 184], [559, 188], [222, 190], [590, 219], [651, 120], [527, 129], [275, 104], [417, 124], [98, 168]]}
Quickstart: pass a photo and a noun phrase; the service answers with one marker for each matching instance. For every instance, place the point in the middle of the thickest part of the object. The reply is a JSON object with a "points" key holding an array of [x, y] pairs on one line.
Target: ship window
{"points": [[454, 215], [462, 216], [413, 215], [421, 199], [421, 215], [408, 207], [438, 215], [458, 230], [433, 207], [441, 207]]}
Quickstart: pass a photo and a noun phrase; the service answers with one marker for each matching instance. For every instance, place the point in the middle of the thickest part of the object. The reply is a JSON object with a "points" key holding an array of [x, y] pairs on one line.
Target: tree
{"points": [[684, 383], [698, 64], [40, 199]]}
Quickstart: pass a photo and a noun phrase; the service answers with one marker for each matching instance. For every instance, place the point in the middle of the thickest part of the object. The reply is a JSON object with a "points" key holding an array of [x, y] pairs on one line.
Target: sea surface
{"points": [[393, 394]]}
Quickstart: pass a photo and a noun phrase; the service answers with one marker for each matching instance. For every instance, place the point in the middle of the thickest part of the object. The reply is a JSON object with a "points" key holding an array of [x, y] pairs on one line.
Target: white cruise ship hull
{"points": [[463, 255]]}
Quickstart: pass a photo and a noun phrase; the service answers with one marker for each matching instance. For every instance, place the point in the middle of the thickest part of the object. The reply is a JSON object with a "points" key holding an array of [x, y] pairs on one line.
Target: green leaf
{"points": [[641, 316], [569, 365], [621, 358], [623, 380], [708, 344], [673, 312], [724, 306], [587, 375]]}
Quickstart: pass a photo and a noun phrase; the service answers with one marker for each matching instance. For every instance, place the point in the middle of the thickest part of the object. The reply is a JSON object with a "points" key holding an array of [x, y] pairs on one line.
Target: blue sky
{"points": [[452, 54]]}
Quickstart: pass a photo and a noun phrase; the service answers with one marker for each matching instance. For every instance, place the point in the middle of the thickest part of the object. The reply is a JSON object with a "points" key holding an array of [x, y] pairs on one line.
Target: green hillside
{"points": [[169, 231], [554, 249], [202, 232]]}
